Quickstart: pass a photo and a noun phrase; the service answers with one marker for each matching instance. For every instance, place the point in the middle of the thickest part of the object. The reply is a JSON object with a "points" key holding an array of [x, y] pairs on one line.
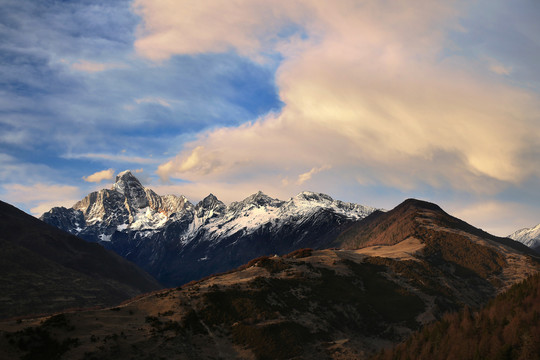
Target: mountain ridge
{"points": [[366, 231], [528, 236], [458, 247], [177, 241]]}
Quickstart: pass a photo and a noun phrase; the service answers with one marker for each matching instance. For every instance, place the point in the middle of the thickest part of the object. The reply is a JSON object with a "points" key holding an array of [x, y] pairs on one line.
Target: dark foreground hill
{"points": [[310, 304], [44, 269], [507, 328]]}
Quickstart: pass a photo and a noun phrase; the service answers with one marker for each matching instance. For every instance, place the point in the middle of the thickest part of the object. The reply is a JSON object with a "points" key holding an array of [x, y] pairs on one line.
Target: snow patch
{"points": [[146, 218], [103, 237]]}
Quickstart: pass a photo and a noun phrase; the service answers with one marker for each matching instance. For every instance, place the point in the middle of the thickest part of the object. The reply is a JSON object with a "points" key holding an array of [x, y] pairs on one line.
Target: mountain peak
{"points": [[126, 180], [312, 196], [126, 176], [259, 199], [409, 219], [419, 204], [210, 207], [210, 198], [211, 201], [128, 185], [528, 236]]}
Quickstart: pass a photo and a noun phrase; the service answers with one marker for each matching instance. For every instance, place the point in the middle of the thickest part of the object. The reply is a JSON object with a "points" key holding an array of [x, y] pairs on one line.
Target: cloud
{"points": [[13, 170], [153, 100], [496, 215], [367, 92], [246, 27], [302, 178], [113, 158], [41, 197], [100, 176], [93, 67], [498, 68]]}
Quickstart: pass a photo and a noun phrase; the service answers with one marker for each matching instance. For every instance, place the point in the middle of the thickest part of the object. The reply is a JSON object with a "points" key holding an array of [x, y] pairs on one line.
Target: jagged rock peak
{"points": [[260, 199], [312, 196], [209, 202], [131, 188], [210, 207], [126, 180]]}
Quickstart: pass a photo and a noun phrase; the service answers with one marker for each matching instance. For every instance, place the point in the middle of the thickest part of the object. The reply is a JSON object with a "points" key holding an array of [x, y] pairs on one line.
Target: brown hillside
{"points": [[411, 218], [329, 304], [508, 328], [449, 242]]}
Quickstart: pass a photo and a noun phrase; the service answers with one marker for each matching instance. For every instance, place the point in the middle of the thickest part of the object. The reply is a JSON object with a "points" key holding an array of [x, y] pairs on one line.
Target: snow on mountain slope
{"points": [[528, 236], [128, 206], [259, 209], [160, 232]]}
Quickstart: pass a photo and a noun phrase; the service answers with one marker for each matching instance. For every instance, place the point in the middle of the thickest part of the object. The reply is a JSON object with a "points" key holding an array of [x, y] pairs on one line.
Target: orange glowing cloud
{"points": [[367, 96]]}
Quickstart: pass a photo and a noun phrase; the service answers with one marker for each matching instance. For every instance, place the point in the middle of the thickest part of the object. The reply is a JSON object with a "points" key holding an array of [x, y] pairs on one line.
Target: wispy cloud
{"points": [[153, 100], [498, 68], [247, 27], [42, 197], [302, 178], [93, 67], [69, 74], [496, 215], [114, 158], [99, 176]]}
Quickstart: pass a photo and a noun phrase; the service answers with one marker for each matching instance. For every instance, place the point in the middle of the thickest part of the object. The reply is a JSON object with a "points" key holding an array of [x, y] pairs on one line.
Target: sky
{"points": [[367, 101]]}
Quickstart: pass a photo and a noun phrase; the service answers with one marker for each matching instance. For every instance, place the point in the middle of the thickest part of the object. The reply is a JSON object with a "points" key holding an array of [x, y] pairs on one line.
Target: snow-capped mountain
{"points": [[528, 236], [177, 241], [128, 206]]}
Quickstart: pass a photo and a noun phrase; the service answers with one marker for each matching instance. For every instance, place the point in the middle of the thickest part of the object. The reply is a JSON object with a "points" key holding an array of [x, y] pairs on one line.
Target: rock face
{"points": [[45, 269], [529, 237], [177, 241]]}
